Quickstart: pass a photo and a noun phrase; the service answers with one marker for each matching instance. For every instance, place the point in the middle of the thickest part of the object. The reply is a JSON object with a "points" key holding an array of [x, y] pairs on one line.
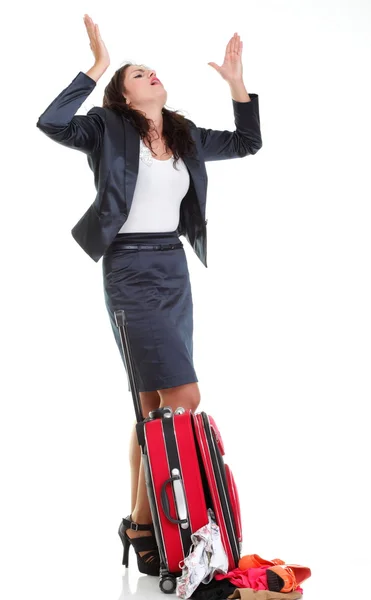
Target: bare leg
{"points": [[135, 460], [187, 396], [149, 401]]}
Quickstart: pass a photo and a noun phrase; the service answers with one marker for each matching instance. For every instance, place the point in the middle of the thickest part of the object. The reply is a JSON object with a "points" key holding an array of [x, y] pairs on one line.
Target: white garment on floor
{"points": [[205, 558], [159, 191]]}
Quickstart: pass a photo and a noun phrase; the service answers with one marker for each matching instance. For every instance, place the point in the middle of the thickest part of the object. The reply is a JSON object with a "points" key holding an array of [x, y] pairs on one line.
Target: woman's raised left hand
{"points": [[231, 69]]}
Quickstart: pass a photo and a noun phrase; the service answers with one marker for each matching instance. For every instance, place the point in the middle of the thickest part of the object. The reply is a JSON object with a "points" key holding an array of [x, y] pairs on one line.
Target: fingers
{"points": [[97, 31], [90, 27], [237, 44], [89, 23], [234, 44]]}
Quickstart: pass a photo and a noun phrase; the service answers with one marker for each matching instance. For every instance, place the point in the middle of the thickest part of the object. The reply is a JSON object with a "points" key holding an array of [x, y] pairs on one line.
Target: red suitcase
{"points": [[185, 473]]}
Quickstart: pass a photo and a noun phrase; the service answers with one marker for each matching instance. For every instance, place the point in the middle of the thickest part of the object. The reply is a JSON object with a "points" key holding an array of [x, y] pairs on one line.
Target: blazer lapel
{"points": [[132, 140], [132, 148]]}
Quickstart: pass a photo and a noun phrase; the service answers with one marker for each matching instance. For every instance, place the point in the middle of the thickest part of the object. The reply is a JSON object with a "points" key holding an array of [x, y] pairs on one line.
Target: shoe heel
{"points": [[126, 544], [125, 557]]}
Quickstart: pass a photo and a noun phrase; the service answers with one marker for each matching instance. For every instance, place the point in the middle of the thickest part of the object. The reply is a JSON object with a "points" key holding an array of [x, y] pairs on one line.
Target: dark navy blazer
{"points": [[111, 144]]}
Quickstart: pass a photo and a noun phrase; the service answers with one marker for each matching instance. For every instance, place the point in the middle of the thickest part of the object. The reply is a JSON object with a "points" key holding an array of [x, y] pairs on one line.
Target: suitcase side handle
{"points": [[121, 323], [179, 500]]}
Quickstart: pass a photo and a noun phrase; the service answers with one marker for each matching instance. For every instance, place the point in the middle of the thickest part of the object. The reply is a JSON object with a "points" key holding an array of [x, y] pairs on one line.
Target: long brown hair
{"points": [[176, 131]]}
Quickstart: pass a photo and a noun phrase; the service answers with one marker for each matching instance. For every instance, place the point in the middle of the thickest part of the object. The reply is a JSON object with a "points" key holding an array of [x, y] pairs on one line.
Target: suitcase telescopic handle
{"points": [[180, 501], [122, 325]]}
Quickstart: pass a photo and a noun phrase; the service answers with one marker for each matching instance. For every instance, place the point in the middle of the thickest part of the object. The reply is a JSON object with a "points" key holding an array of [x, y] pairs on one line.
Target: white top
{"points": [[159, 191]]}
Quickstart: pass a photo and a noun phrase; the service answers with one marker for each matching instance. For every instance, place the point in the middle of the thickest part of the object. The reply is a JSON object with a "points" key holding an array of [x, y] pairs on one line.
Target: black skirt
{"points": [[153, 288]]}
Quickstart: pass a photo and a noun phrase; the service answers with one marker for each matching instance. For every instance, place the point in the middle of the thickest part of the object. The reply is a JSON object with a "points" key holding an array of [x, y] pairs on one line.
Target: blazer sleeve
{"points": [[246, 139], [59, 122]]}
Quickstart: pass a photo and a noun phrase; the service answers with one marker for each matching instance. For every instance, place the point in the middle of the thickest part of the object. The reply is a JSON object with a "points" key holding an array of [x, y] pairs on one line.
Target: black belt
{"points": [[148, 247]]}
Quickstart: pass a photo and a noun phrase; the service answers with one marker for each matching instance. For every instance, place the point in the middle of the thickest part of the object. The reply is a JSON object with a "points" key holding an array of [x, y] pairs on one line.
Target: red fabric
{"points": [[255, 579]]}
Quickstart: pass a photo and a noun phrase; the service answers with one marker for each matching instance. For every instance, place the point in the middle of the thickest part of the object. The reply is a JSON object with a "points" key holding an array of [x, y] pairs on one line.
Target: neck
{"points": [[154, 114]]}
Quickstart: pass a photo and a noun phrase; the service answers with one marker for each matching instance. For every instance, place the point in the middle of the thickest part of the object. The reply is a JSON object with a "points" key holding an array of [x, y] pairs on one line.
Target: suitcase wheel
{"points": [[167, 584]]}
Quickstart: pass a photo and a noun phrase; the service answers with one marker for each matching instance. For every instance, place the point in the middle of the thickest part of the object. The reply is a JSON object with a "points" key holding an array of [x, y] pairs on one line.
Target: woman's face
{"points": [[139, 89]]}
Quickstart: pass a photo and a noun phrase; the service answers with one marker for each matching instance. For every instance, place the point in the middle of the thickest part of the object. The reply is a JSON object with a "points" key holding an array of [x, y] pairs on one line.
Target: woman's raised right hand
{"points": [[97, 45]]}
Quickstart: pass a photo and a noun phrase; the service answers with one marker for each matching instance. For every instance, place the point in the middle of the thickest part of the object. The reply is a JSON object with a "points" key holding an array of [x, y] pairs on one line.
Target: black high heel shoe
{"points": [[149, 564]]}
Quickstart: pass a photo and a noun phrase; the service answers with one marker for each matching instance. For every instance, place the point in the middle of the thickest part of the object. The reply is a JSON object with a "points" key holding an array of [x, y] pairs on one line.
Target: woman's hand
{"points": [[231, 69], [96, 43]]}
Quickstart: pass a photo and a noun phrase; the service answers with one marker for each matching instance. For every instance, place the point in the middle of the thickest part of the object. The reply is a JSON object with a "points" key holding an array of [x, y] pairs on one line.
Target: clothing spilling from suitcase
{"points": [[195, 508]]}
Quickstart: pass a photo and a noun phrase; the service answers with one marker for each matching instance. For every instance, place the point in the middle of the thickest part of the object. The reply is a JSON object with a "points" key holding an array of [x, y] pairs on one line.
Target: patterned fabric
{"points": [[145, 153], [206, 557]]}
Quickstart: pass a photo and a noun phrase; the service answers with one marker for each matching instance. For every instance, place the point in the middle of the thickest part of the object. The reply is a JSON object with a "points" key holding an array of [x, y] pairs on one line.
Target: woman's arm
{"points": [[59, 122], [246, 139]]}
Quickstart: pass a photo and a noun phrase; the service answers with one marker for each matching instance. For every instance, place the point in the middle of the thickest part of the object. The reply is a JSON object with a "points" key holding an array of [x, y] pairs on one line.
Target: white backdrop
{"points": [[282, 314]]}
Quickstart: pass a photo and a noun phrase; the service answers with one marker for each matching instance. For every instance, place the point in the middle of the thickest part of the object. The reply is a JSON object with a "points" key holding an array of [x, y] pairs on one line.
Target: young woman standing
{"points": [[144, 264]]}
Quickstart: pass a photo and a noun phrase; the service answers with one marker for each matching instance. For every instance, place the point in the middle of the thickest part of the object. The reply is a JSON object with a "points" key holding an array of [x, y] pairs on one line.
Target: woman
{"points": [[143, 204]]}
